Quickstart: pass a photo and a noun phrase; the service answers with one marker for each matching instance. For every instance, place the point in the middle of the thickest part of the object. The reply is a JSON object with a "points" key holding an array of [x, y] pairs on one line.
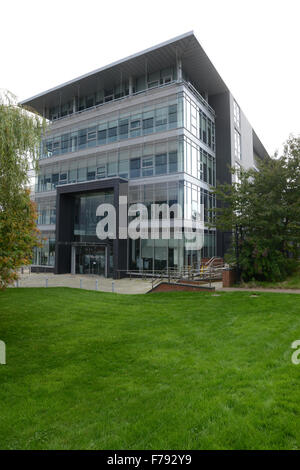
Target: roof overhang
{"points": [[195, 63]]}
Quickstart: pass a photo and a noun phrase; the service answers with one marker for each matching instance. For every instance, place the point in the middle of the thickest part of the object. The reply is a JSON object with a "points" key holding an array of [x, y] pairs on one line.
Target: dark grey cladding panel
{"points": [[221, 105], [94, 185], [65, 222]]}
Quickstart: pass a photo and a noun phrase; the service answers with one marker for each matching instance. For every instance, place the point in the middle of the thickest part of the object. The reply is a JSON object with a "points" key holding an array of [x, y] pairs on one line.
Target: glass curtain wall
{"points": [[159, 254], [143, 120], [115, 92], [199, 122], [46, 209], [45, 255], [135, 162]]}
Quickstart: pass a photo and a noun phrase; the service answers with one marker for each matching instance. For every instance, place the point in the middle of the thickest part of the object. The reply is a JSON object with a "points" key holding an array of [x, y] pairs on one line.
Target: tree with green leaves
{"points": [[20, 136], [262, 210]]}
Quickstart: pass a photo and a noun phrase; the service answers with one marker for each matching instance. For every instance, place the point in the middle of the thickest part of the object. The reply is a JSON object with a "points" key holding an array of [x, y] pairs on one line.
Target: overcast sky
{"points": [[254, 44]]}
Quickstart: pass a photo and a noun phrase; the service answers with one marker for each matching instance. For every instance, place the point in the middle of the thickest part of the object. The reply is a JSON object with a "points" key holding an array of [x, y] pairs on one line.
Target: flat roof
{"points": [[195, 62]]}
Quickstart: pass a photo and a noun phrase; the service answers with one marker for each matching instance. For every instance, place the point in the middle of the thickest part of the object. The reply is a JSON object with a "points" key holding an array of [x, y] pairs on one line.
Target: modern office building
{"points": [[159, 126]]}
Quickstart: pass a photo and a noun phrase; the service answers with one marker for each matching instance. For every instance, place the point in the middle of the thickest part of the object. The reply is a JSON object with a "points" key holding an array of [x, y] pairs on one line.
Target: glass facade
{"points": [[142, 161], [149, 254], [46, 209], [191, 153], [45, 254], [198, 122], [114, 92], [142, 121], [85, 220], [237, 145]]}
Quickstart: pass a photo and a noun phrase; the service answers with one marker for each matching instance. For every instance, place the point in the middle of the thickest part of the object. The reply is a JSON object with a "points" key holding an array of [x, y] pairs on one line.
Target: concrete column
{"points": [[73, 259], [130, 85], [74, 104], [179, 69]]}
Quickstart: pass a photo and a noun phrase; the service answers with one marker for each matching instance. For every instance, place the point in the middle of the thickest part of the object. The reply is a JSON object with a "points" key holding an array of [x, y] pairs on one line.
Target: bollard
{"points": [[80, 283], [46, 282], [96, 284], [113, 286], [17, 283]]}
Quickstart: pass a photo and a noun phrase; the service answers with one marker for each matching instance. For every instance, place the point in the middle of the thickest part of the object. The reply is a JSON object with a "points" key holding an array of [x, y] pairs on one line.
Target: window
{"points": [[161, 118], [237, 145], [161, 164], [101, 171], [91, 137], [112, 131], [173, 162], [135, 167], [56, 146], [236, 114], [172, 115], [112, 168], [209, 133], [237, 175], [89, 101], [123, 168], [123, 129], [135, 126], [63, 178], [147, 166], [82, 137], [91, 173], [102, 131], [204, 128], [148, 123]]}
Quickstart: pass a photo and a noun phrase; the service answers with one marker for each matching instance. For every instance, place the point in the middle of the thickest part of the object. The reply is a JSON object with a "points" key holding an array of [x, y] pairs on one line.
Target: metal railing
{"points": [[205, 273]]}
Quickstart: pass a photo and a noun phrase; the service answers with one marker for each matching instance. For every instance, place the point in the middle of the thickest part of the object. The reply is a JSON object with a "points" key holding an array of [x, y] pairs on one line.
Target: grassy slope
{"points": [[177, 370]]}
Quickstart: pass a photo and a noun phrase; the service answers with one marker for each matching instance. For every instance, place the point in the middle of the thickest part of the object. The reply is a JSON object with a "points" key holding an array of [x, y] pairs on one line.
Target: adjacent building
{"points": [[159, 126]]}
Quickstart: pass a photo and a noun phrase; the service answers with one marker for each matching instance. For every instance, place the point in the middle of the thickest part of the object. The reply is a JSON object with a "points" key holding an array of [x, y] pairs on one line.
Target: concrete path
{"points": [[121, 286], [258, 289]]}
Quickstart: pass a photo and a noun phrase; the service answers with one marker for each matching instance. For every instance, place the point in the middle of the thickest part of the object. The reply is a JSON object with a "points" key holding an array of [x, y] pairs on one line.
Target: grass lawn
{"points": [[182, 370]]}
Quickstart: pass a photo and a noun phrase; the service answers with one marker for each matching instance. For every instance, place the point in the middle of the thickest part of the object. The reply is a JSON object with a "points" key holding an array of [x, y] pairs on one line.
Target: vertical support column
{"points": [[73, 259], [74, 104], [146, 74], [130, 85], [179, 69]]}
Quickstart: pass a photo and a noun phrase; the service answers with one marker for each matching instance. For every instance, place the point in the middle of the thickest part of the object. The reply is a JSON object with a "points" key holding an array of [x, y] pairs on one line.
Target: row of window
{"points": [[143, 254], [115, 92], [148, 255], [134, 125], [159, 164], [44, 255], [164, 116], [198, 123], [141, 162]]}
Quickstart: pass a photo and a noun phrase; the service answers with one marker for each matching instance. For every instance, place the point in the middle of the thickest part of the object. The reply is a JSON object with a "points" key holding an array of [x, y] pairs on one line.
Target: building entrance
{"points": [[91, 260]]}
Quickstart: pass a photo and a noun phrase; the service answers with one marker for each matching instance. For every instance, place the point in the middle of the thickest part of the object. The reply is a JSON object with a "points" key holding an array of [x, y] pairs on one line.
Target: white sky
{"points": [[254, 44]]}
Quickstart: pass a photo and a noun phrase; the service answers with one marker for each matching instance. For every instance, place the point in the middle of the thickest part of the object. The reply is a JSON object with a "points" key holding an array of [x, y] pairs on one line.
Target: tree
{"points": [[20, 136], [263, 210]]}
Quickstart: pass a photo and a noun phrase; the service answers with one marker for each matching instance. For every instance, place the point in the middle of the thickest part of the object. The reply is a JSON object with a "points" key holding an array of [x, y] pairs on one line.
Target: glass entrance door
{"points": [[91, 260]]}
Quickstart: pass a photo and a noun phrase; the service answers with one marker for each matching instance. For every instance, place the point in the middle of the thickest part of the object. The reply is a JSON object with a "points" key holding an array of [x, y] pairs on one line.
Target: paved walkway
{"points": [[121, 286], [258, 289]]}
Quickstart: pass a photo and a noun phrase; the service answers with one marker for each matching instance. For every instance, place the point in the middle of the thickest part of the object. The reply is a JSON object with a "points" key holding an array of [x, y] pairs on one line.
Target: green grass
{"points": [[92, 370]]}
